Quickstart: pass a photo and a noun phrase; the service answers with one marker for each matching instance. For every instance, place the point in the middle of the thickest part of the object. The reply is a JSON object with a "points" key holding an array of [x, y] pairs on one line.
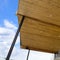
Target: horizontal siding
{"points": [[44, 10], [40, 36]]}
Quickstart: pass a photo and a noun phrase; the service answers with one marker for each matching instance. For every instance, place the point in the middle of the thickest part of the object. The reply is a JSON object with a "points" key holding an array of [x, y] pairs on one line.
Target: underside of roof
{"points": [[41, 27]]}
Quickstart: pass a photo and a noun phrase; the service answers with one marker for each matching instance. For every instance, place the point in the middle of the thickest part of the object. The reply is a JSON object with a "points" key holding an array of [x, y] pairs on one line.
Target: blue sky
{"points": [[8, 27], [8, 10]]}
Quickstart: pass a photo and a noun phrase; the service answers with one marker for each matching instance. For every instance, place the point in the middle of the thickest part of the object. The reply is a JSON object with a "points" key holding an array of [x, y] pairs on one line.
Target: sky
{"points": [[8, 28]]}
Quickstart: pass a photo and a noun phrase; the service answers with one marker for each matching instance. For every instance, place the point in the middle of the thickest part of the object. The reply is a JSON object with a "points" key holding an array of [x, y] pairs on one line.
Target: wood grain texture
{"points": [[44, 10], [40, 36], [41, 27]]}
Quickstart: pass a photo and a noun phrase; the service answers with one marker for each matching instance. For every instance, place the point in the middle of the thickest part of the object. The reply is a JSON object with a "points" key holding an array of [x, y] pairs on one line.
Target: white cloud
{"points": [[9, 25], [7, 34], [4, 30]]}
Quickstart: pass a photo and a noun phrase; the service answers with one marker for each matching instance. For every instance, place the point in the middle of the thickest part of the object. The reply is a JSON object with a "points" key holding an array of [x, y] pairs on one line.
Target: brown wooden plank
{"points": [[40, 36], [44, 10]]}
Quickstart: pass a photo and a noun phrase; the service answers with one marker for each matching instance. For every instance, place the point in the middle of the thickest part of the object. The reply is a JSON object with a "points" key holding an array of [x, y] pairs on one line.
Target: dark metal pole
{"points": [[28, 54], [15, 38]]}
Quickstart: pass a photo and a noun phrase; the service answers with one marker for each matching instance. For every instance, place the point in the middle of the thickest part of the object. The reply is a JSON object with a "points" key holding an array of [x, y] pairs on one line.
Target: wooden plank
{"points": [[40, 36], [44, 10]]}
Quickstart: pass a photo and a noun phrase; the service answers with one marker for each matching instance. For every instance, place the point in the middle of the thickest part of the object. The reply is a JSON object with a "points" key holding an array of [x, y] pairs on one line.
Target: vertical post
{"points": [[28, 55], [14, 40]]}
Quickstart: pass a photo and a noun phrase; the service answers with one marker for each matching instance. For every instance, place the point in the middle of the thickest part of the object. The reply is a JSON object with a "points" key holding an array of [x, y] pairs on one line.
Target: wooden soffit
{"points": [[41, 28]]}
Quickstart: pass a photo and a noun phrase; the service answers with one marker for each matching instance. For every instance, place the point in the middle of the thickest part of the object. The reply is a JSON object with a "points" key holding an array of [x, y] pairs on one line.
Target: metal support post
{"points": [[14, 40], [28, 54]]}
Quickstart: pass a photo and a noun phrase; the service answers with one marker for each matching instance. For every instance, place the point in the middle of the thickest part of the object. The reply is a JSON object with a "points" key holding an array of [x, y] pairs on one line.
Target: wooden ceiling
{"points": [[41, 28]]}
